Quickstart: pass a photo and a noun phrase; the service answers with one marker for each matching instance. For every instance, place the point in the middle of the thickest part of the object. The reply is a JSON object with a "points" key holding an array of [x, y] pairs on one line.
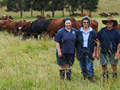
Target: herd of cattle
{"points": [[106, 14], [39, 26]]}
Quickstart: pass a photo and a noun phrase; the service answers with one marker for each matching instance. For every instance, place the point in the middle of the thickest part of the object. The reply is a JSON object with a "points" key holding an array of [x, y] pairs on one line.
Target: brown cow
{"points": [[48, 15], [21, 27], [12, 24], [7, 17], [4, 23], [55, 25], [40, 17], [85, 14], [118, 27]]}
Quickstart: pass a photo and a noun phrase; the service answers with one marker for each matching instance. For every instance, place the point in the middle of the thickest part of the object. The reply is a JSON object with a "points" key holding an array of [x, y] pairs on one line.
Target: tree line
{"points": [[50, 5]]}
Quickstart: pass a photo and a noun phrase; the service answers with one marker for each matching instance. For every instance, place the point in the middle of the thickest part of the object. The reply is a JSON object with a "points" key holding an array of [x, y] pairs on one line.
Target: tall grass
{"points": [[31, 64]]}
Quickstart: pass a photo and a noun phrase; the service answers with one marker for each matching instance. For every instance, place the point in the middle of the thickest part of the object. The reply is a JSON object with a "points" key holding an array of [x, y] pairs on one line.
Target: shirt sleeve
{"points": [[94, 39], [118, 36], [76, 39], [98, 38], [58, 37]]}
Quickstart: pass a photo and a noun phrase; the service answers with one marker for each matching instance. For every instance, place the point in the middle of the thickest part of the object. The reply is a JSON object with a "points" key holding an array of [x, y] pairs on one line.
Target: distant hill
{"points": [[103, 6]]}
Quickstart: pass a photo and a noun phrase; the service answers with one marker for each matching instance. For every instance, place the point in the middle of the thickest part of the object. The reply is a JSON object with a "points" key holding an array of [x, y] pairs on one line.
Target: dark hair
{"points": [[67, 18]]}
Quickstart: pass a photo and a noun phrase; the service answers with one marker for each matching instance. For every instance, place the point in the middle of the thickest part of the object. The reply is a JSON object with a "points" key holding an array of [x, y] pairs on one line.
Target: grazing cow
{"points": [[105, 14], [76, 24], [7, 17], [118, 27], [21, 27], [4, 24], [94, 25], [38, 27], [85, 14], [40, 17], [12, 24], [48, 15], [55, 25]]}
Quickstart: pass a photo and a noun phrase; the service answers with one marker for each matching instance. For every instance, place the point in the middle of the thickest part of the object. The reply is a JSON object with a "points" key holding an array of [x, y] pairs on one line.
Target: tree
{"points": [[40, 5], [91, 5], [27, 5], [74, 5], [55, 5], [13, 5]]}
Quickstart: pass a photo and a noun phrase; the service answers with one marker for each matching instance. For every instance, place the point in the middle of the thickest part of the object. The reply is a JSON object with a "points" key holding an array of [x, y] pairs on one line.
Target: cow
{"points": [[7, 17], [103, 14], [85, 14], [55, 25], [11, 25], [4, 24], [38, 27], [48, 15], [40, 17], [118, 27], [21, 27]]}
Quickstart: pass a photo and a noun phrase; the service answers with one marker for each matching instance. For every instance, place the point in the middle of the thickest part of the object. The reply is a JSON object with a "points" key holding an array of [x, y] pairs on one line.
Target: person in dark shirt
{"points": [[65, 45], [109, 41], [86, 48]]}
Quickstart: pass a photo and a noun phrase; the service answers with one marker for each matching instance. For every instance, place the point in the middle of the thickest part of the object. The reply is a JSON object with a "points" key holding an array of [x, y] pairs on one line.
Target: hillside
{"points": [[103, 6]]}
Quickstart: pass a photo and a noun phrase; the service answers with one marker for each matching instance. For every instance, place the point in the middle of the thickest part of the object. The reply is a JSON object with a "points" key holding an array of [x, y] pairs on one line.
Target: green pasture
{"points": [[31, 64]]}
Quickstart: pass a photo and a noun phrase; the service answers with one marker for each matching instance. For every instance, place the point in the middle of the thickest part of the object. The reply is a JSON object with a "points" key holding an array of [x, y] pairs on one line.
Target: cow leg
{"points": [[36, 36]]}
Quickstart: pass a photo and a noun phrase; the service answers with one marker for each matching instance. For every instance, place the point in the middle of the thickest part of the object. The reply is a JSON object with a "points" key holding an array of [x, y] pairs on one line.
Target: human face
{"points": [[109, 24], [68, 24], [85, 23]]}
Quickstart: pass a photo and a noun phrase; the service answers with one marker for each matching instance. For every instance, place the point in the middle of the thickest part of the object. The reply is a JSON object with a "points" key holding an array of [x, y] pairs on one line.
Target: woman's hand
{"points": [[59, 54]]}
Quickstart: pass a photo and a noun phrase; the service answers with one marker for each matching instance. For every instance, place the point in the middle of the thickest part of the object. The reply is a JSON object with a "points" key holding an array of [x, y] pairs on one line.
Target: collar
{"points": [[66, 30], [90, 29], [109, 30]]}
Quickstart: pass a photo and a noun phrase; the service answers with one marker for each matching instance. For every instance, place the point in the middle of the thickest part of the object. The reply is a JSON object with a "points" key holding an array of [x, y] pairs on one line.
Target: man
{"points": [[109, 40]]}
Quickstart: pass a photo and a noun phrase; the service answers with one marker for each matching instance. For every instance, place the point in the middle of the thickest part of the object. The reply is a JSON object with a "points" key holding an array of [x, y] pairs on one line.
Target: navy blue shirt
{"points": [[66, 40], [109, 40]]}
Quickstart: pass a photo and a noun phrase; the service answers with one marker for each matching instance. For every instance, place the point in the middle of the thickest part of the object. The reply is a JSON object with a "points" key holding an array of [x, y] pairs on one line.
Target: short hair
{"points": [[85, 18], [67, 18]]}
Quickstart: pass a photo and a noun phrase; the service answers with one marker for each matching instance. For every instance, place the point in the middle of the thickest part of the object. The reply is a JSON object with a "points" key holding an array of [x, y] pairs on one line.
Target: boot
{"points": [[90, 78], [114, 76], [62, 74], [105, 76], [85, 76], [68, 74]]}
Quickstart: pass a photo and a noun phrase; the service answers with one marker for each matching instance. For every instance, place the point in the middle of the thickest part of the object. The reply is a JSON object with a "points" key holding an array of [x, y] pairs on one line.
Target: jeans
{"points": [[86, 64]]}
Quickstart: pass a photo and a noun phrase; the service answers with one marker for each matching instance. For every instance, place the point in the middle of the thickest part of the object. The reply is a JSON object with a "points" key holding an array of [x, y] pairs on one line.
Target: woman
{"points": [[65, 45], [86, 47]]}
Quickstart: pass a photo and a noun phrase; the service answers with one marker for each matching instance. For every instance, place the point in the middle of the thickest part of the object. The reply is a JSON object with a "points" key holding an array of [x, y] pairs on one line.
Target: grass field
{"points": [[31, 64]]}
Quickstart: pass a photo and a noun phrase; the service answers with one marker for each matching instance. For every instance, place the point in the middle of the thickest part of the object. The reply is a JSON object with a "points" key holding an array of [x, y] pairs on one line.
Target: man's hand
{"points": [[116, 58], [98, 56]]}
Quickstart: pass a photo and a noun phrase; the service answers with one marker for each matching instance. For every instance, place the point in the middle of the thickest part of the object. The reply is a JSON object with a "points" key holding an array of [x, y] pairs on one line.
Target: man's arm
{"points": [[117, 53]]}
